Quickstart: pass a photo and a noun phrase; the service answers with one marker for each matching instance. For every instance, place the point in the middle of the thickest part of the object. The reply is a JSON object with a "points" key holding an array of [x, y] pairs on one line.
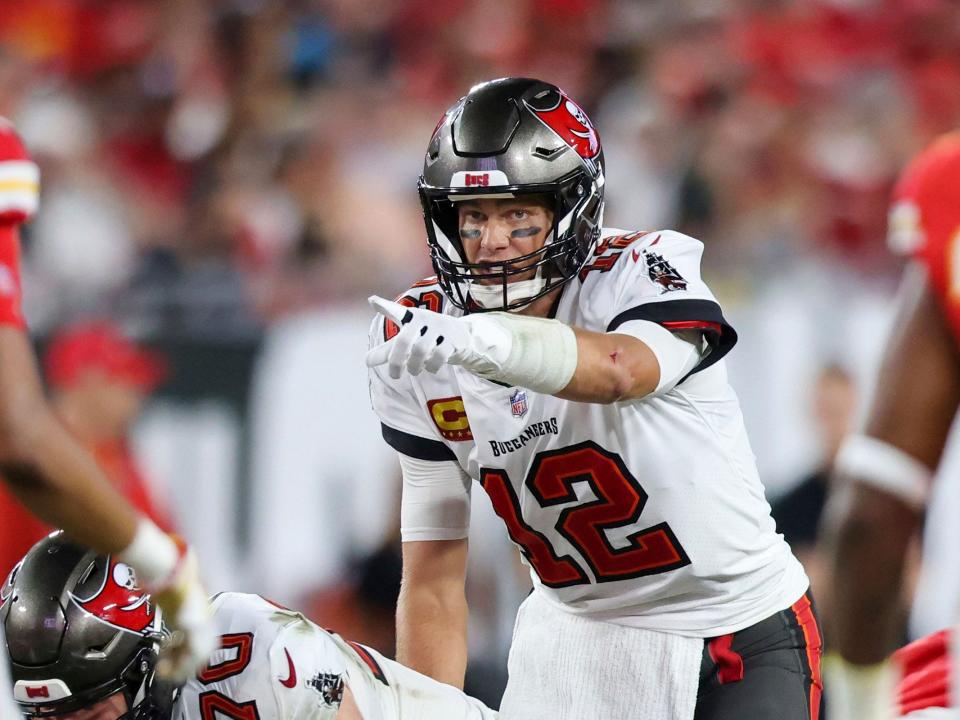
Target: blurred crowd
{"points": [[209, 165], [213, 170]]}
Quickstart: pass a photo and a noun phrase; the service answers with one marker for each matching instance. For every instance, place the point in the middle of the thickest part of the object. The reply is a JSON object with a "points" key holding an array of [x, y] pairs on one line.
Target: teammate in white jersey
{"points": [[592, 406], [83, 643]]}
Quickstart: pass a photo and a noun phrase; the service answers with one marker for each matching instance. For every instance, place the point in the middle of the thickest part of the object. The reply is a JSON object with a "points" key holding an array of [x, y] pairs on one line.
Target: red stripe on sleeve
{"points": [[370, 661], [693, 325]]}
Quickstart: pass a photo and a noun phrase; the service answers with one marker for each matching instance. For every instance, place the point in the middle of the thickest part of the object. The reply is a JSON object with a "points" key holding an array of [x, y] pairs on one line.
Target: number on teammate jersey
{"points": [[215, 705], [619, 503]]}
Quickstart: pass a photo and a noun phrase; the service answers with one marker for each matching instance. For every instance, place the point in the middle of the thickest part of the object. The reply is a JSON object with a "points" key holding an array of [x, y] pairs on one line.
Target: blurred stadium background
{"points": [[226, 180]]}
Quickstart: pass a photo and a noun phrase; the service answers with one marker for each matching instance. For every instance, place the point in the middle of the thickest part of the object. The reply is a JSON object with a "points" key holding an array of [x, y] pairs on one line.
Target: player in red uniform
{"points": [[51, 474], [887, 470]]}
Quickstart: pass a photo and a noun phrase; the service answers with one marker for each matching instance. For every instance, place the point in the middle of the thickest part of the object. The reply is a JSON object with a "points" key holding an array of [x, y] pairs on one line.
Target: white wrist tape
{"points": [[152, 553], [859, 692], [885, 467], [533, 353]]}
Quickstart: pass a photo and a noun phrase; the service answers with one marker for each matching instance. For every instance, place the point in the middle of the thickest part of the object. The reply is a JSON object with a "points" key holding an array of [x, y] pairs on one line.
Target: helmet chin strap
{"points": [[490, 297]]}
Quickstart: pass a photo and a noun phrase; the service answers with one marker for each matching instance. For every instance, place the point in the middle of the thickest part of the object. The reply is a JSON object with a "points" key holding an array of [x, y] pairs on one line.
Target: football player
{"points": [[83, 642], [576, 372], [51, 474], [886, 471]]}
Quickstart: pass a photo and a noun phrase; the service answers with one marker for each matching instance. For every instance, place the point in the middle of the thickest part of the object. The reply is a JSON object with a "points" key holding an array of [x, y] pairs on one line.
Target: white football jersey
{"points": [[274, 664], [647, 512]]}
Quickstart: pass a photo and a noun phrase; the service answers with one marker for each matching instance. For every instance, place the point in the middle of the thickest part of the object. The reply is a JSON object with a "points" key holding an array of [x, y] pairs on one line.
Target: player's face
{"points": [[496, 230], [109, 708]]}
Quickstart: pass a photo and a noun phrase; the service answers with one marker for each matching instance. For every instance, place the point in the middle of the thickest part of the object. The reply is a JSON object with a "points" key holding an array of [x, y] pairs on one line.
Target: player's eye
{"points": [[520, 214]]}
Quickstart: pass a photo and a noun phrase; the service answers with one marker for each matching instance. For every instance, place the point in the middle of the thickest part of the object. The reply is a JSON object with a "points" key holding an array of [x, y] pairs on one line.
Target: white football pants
{"points": [[567, 667]]}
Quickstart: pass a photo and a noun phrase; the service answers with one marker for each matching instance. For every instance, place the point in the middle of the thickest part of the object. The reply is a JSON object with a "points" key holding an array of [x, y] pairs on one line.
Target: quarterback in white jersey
{"points": [[593, 408], [83, 640]]}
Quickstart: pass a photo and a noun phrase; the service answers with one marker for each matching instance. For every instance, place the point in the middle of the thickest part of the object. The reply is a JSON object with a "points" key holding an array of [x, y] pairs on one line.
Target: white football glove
{"points": [[427, 340], [514, 349], [167, 568]]}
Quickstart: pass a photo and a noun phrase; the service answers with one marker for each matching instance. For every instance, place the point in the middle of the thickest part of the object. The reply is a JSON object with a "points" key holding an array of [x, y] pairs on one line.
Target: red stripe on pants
{"points": [[811, 634]]}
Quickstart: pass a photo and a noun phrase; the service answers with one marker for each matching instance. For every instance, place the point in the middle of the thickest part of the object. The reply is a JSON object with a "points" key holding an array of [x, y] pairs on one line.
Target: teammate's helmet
{"points": [[506, 138], [78, 630]]}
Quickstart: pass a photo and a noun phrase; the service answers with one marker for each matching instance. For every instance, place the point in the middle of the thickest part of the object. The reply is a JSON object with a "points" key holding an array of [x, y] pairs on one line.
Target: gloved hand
{"points": [[187, 614], [517, 350], [167, 568], [427, 340]]}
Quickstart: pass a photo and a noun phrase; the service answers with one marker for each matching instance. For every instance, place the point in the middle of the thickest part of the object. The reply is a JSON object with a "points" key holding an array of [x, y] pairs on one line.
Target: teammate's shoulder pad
{"points": [[248, 604]]}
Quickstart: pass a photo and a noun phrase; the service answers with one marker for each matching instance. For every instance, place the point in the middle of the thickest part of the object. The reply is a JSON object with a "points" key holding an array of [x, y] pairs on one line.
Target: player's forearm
{"points": [[432, 632], [866, 534], [611, 367], [45, 467], [61, 484]]}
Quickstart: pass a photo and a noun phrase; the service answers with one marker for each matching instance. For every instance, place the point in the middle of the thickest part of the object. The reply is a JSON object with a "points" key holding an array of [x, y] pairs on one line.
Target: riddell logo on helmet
{"points": [[482, 180], [38, 692]]}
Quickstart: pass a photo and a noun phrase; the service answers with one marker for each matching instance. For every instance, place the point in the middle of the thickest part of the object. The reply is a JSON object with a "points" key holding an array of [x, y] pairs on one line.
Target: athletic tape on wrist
{"points": [[153, 554], [885, 467], [543, 353]]}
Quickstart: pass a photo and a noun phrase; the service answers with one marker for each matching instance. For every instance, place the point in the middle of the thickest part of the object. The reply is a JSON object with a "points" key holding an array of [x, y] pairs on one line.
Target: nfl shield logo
{"points": [[518, 403]]}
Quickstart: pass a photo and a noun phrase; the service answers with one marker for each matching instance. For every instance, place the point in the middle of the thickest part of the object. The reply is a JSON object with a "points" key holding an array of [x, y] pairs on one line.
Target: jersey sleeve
{"points": [[435, 503], [19, 198], [385, 689], [404, 422], [656, 278], [925, 674], [19, 178], [924, 218]]}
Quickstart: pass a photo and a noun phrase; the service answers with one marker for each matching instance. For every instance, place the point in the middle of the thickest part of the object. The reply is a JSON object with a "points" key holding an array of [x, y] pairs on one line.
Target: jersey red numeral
{"points": [[431, 300], [552, 570], [217, 706], [619, 503], [243, 644]]}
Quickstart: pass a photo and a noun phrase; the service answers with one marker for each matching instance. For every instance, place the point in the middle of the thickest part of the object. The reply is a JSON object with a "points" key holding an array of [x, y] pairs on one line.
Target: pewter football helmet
{"points": [[508, 138]]}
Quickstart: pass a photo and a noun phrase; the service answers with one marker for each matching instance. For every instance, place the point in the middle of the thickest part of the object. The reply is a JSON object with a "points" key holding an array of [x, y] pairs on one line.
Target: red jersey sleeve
{"points": [[925, 219], [19, 197], [924, 670]]}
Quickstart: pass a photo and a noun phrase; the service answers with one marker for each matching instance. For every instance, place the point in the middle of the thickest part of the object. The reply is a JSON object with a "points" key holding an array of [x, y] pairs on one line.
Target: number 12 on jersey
{"points": [[619, 502]]}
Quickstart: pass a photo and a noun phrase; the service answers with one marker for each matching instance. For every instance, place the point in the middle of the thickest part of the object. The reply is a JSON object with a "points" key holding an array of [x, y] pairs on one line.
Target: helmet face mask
{"points": [[512, 138], [79, 631]]}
